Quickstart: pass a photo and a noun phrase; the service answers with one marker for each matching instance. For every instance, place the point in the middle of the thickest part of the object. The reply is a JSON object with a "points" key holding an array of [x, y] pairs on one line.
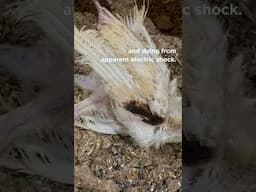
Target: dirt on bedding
{"points": [[117, 163]]}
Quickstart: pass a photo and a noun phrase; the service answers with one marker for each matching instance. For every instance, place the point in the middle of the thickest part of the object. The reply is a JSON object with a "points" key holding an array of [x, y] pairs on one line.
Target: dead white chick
{"points": [[134, 98]]}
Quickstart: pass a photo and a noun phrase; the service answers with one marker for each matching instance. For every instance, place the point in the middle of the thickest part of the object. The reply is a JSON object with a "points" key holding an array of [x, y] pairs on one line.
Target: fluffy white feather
{"points": [[137, 91]]}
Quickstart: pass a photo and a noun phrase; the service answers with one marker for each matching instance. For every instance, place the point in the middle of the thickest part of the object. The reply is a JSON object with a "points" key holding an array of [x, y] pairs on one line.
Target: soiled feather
{"points": [[137, 93]]}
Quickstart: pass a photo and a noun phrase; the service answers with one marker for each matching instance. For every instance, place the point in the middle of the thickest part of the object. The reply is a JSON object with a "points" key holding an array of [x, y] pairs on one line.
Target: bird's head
{"points": [[154, 120]]}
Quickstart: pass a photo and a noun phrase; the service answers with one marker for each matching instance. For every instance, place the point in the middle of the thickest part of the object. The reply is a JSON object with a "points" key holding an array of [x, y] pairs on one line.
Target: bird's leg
{"points": [[97, 5], [94, 114], [102, 13], [85, 105], [87, 82]]}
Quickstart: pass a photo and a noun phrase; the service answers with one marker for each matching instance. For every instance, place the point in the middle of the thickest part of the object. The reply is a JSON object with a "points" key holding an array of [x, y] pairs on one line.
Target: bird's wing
{"points": [[93, 48], [124, 80], [135, 23]]}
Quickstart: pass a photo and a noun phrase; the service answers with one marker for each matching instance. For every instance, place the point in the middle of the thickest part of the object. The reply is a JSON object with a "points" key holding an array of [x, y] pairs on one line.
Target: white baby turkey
{"points": [[131, 98]]}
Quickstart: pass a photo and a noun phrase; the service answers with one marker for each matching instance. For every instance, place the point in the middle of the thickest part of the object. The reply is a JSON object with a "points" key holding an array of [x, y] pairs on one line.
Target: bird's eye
{"points": [[144, 112]]}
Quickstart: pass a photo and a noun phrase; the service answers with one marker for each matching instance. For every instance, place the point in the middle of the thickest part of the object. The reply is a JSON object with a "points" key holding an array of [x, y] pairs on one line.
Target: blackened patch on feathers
{"points": [[144, 112]]}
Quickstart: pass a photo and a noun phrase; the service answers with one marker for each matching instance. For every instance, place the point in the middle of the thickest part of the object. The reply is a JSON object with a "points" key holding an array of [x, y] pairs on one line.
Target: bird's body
{"points": [[135, 98]]}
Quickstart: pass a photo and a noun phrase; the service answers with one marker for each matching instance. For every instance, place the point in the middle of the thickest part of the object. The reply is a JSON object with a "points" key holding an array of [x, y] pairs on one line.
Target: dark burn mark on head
{"points": [[144, 111]]}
